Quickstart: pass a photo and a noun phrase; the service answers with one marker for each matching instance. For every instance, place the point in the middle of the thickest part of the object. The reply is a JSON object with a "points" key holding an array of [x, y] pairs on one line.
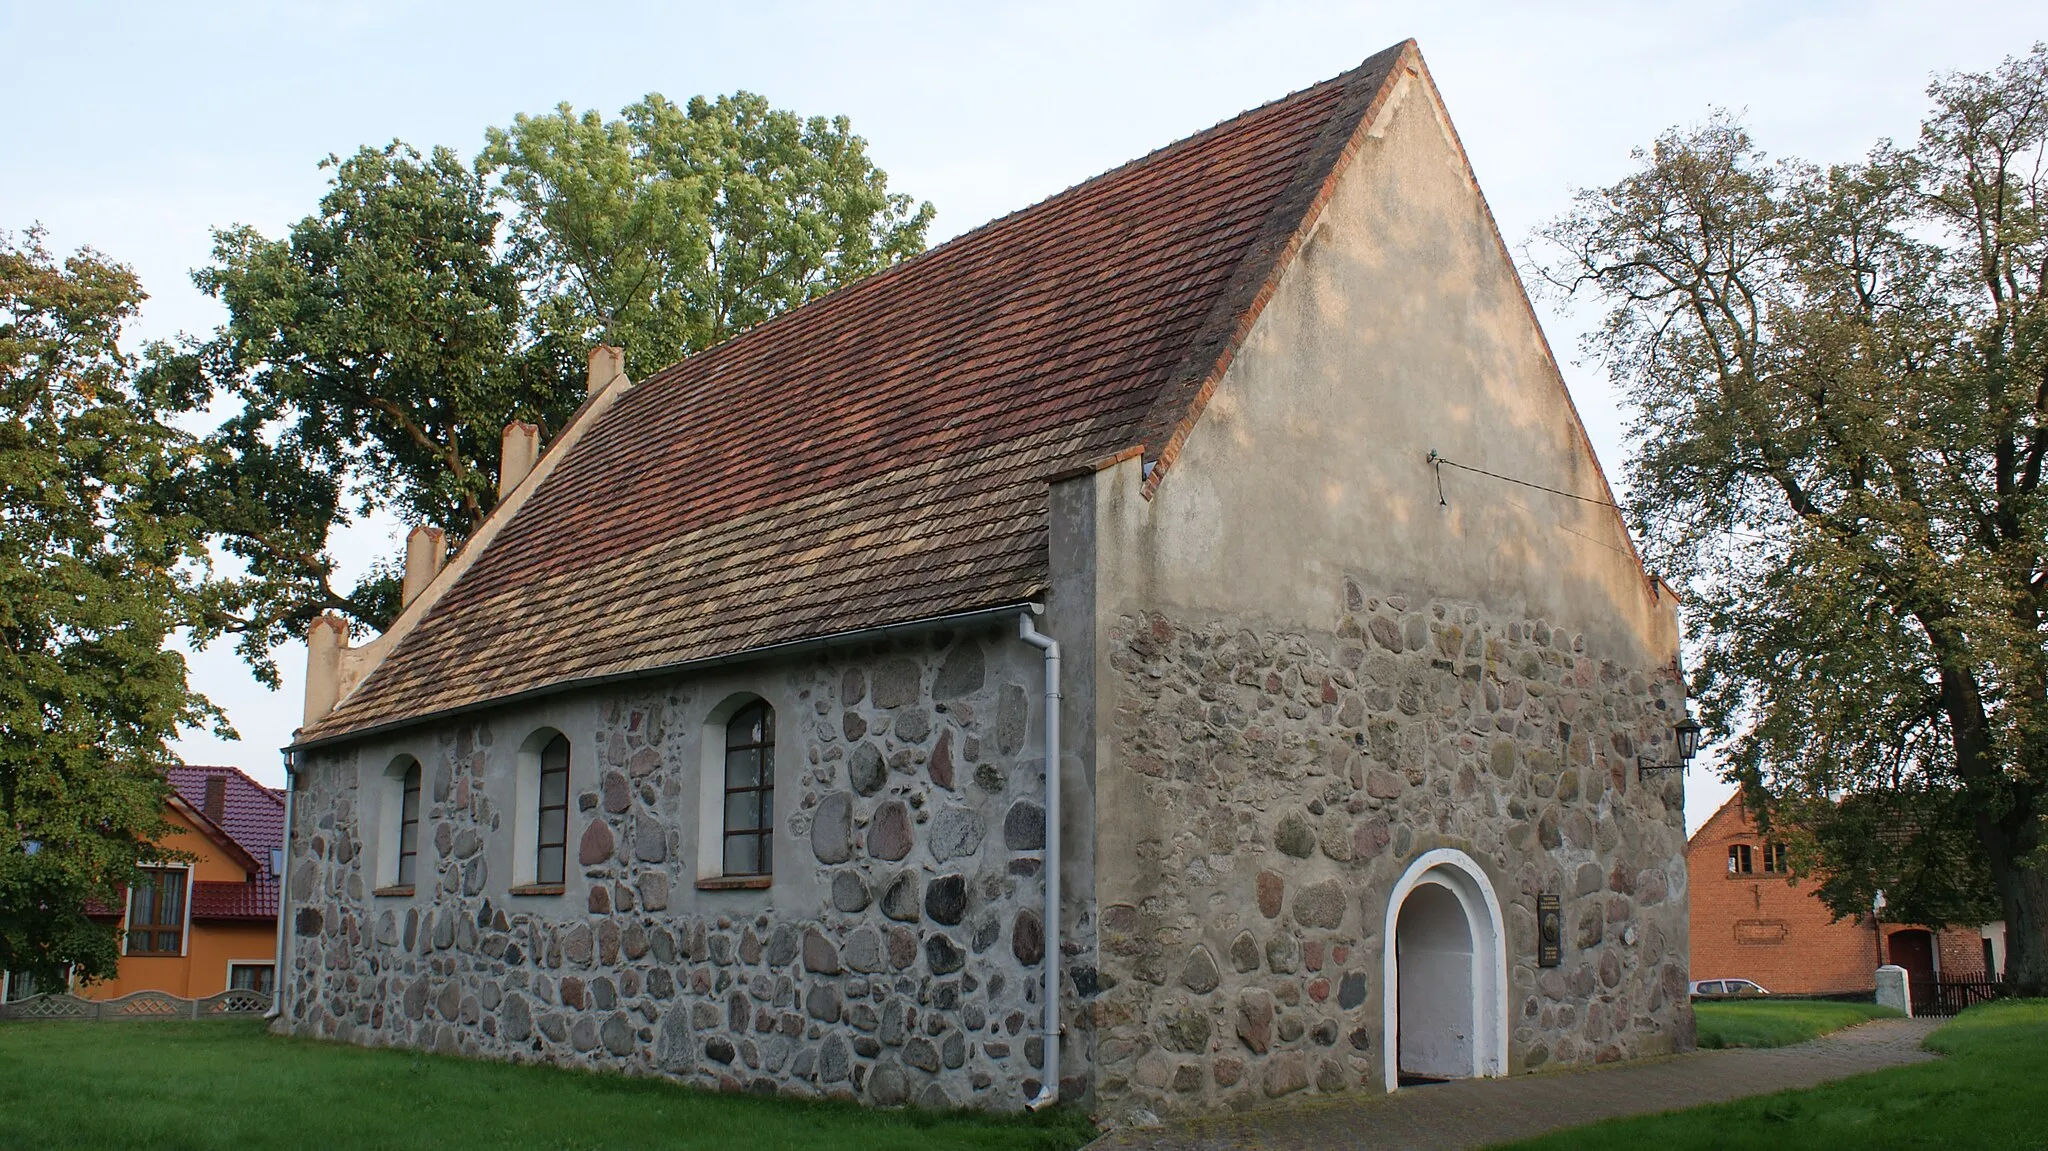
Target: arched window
{"points": [[551, 845], [409, 825], [749, 790], [398, 808]]}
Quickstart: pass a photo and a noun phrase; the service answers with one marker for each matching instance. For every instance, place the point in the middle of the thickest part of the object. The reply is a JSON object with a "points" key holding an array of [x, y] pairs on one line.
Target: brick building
{"points": [[1753, 919]]}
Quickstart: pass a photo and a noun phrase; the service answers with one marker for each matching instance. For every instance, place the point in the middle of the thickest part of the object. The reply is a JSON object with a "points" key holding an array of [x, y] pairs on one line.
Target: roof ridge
{"points": [[875, 280], [1181, 402], [265, 789]]}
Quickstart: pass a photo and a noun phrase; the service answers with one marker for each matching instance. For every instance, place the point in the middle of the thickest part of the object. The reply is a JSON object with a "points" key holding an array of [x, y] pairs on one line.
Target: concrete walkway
{"points": [[1483, 1112]]}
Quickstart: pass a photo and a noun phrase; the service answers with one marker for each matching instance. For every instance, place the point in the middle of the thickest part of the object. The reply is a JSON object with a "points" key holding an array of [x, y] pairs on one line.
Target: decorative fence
{"points": [[237, 1004], [1950, 996]]}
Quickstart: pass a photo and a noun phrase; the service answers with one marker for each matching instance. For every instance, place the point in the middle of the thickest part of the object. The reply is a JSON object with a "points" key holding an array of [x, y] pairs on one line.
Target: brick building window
{"points": [[156, 912], [749, 790], [1774, 858], [1740, 859]]}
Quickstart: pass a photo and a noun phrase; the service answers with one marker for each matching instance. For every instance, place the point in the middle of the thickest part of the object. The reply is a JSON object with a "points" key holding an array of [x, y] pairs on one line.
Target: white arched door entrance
{"points": [[1444, 973]]}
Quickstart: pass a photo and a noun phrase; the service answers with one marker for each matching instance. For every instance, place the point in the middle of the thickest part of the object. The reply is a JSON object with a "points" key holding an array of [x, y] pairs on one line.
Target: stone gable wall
{"points": [[896, 958], [1288, 779]]}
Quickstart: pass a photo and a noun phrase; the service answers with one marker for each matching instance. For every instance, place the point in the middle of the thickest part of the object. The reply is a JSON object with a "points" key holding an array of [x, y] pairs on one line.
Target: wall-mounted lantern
{"points": [[1687, 731]]}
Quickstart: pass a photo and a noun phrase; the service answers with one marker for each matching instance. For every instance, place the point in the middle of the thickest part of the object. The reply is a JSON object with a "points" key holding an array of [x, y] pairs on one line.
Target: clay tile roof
{"points": [[880, 455], [218, 899], [252, 815]]}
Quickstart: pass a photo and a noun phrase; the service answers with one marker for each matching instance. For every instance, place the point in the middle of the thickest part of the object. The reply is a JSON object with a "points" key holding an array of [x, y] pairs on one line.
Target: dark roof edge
{"points": [[215, 832], [1182, 401], [747, 655]]}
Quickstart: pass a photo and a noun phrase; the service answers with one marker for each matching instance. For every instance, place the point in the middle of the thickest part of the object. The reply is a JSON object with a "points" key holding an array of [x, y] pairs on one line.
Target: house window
{"points": [[1774, 858], [22, 985], [1739, 859], [252, 977], [156, 912], [551, 850], [409, 825], [749, 790]]}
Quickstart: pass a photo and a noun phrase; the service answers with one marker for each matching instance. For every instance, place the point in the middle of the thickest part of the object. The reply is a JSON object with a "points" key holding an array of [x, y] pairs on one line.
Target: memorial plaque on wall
{"points": [[1549, 931]]}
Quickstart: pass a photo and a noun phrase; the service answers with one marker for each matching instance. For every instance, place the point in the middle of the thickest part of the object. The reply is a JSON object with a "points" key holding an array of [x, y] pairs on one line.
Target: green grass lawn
{"points": [[231, 1085], [1777, 1022], [1991, 1092]]}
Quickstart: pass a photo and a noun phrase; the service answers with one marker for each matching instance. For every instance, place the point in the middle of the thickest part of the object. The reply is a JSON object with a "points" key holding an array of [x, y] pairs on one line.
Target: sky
{"points": [[137, 129]]}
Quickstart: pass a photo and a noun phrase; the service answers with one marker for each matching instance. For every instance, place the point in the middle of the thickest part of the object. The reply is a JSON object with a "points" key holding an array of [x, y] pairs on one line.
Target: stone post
{"points": [[1893, 990], [516, 456], [425, 550], [324, 643], [607, 363]]}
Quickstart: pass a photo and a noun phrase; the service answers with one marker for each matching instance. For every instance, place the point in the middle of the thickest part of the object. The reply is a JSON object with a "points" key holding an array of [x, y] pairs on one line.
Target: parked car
{"points": [[1726, 988]]}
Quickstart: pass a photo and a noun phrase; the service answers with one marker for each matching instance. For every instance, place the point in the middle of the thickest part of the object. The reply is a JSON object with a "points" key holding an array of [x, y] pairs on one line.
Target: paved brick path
{"points": [[1480, 1113]]}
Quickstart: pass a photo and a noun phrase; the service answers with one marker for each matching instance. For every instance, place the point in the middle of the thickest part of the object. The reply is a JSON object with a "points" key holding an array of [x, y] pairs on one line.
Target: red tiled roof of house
{"points": [[881, 455], [218, 899], [252, 815]]}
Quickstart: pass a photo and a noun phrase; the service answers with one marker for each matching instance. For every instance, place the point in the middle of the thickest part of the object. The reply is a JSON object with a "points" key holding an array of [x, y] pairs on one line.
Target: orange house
{"points": [[203, 924]]}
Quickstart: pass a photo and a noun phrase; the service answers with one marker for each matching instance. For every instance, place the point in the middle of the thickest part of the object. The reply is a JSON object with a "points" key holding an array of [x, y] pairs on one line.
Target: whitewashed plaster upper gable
{"points": [[1400, 327]]}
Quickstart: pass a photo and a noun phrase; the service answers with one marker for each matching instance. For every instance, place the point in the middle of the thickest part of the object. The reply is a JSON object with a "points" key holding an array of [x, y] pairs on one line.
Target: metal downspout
{"points": [[1049, 1089], [277, 971]]}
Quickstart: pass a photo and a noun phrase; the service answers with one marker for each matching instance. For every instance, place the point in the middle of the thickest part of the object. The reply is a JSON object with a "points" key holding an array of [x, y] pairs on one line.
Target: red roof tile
{"points": [[215, 899], [252, 815], [880, 456]]}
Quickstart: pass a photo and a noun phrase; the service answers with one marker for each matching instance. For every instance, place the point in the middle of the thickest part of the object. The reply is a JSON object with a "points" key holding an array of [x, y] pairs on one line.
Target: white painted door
{"points": [[1433, 947]]}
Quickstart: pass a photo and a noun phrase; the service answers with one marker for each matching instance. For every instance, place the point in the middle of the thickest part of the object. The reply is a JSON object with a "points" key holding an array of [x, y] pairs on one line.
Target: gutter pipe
{"points": [[1049, 1089], [291, 775]]}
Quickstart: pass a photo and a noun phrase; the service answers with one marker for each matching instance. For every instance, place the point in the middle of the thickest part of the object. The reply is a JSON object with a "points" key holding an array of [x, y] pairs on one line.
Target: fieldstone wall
{"points": [[1289, 779], [896, 958]]}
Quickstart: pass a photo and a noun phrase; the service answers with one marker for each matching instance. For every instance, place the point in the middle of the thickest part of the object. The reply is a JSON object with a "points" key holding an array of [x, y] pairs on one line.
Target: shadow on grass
{"points": [[232, 1085], [1988, 1093]]}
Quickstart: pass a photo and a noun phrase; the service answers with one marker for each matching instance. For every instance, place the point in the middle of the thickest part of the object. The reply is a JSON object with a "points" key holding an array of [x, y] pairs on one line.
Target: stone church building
{"points": [[720, 752]]}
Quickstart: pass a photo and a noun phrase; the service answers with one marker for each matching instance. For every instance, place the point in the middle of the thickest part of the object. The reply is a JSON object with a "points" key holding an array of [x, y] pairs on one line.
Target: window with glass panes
{"points": [[749, 790], [1774, 858], [156, 912], [252, 977], [550, 855], [409, 826], [1739, 859]]}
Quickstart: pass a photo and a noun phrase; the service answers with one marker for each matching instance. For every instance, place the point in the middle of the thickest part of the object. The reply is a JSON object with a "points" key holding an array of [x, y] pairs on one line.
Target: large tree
{"points": [[376, 351], [673, 227], [371, 356], [1842, 392], [97, 570]]}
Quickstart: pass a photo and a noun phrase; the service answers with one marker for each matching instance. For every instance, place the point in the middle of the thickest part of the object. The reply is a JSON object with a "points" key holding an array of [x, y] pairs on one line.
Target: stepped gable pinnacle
{"points": [[880, 455]]}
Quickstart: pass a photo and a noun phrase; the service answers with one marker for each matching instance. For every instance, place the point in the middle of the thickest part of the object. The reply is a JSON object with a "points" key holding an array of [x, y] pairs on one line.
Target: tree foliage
{"points": [[373, 355], [1841, 386], [672, 228], [376, 351], [97, 569]]}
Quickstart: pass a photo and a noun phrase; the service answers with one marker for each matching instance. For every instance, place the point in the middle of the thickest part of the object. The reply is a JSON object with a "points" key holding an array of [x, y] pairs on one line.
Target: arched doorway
{"points": [[1438, 1008], [1444, 973]]}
